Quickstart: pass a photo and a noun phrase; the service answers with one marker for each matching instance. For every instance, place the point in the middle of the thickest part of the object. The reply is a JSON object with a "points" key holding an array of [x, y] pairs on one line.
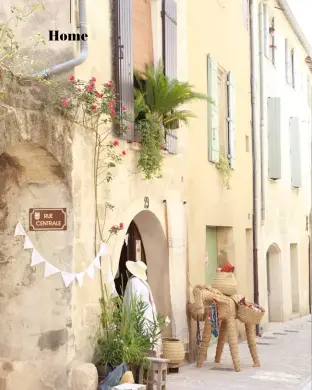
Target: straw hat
{"points": [[137, 268]]}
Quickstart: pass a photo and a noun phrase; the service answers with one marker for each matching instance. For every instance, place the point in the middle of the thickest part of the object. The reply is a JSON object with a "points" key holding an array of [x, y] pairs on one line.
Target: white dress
{"points": [[138, 287]]}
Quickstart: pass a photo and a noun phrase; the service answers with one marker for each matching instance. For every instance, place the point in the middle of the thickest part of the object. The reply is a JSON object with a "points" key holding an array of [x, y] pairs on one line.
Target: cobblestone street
{"points": [[285, 356]]}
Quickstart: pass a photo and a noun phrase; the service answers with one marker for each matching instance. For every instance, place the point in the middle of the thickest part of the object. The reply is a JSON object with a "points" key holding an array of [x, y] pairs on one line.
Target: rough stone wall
{"points": [[36, 335]]}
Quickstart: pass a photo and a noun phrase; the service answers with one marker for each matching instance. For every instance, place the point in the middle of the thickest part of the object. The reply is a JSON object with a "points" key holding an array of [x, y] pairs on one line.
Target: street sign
{"points": [[47, 219]]}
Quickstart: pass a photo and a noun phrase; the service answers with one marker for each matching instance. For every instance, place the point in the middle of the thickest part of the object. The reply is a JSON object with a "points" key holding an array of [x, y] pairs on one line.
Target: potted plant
{"points": [[124, 335], [158, 107]]}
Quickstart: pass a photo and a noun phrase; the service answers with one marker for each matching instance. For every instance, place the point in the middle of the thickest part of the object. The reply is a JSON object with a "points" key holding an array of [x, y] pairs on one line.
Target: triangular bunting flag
{"points": [[50, 270], [97, 262], [103, 250], [79, 278], [68, 278], [114, 293], [19, 230], [36, 258], [27, 243], [90, 271]]}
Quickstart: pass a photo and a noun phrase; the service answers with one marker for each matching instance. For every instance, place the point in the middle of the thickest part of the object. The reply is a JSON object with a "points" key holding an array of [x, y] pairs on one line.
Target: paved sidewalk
{"points": [[285, 356]]}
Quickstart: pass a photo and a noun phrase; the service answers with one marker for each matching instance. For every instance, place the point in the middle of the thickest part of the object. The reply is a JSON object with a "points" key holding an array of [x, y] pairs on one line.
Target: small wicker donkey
{"points": [[227, 313]]}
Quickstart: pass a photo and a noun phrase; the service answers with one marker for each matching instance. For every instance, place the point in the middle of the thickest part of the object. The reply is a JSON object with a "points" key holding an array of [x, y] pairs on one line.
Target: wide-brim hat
{"points": [[137, 268]]}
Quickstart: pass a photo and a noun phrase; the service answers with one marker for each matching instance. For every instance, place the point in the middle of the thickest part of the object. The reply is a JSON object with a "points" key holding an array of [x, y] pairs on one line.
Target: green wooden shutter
{"points": [[213, 109], [295, 155], [231, 118], [266, 30], [274, 138]]}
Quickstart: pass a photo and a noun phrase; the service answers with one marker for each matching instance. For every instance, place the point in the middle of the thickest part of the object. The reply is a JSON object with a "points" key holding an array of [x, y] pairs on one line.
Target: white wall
{"points": [[286, 208]]}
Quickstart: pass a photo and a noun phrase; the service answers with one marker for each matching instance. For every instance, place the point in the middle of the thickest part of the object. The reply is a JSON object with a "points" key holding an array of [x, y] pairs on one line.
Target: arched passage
{"points": [[35, 311], [150, 244], [274, 284]]}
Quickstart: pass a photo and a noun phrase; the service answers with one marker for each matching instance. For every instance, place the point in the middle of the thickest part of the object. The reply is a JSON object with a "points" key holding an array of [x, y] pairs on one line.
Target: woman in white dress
{"points": [[137, 285]]}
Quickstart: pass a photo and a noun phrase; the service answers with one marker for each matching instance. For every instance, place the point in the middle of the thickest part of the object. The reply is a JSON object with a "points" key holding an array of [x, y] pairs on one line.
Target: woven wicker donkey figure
{"points": [[205, 296]]}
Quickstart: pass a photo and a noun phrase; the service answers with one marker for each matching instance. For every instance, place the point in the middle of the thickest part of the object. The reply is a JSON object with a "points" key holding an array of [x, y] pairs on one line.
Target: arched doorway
{"points": [[132, 249], [147, 242], [274, 284]]}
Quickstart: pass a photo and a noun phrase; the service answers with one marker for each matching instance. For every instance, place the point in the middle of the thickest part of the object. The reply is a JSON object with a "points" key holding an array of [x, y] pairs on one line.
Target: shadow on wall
{"points": [[35, 321], [157, 258]]}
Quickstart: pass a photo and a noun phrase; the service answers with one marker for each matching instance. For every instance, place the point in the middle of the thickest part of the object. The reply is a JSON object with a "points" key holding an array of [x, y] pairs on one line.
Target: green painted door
{"points": [[211, 259]]}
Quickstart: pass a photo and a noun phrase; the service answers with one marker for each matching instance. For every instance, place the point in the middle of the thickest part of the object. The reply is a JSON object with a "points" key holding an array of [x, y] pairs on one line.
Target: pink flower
{"points": [[113, 112], [111, 104], [129, 127], [65, 102], [90, 88], [110, 84], [93, 107], [72, 79], [98, 95], [123, 153], [123, 108], [116, 143], [93, 79], [114, 227], [121, 225]]}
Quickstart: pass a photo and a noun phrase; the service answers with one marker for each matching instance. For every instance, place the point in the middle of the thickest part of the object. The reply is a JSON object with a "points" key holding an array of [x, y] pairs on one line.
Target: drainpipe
{"points": [[253, 13], [68, 65], [310, 238], [295, 26], [262, 103]]}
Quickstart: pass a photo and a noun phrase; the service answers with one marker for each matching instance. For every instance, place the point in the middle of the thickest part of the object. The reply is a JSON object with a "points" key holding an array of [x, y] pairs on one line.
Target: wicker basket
{"points": [[225, 282], [173, 350], [248, 316]]}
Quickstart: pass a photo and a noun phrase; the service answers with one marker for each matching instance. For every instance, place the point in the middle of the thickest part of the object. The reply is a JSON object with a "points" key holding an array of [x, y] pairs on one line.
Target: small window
{"points": [[272, 41], [222, 100], [292, 62]]}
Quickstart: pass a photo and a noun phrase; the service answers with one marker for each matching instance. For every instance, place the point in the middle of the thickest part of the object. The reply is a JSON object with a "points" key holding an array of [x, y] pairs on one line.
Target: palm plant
{"points": [[163, 98]]}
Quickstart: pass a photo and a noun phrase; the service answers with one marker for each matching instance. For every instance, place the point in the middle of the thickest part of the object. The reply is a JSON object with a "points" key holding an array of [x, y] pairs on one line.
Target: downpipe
{"points": [[68, 65], [252, 14]]}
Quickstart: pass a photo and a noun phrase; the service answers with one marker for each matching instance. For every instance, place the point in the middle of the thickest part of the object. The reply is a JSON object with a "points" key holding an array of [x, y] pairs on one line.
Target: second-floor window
{"points": [[290, 64], [221, 113]]}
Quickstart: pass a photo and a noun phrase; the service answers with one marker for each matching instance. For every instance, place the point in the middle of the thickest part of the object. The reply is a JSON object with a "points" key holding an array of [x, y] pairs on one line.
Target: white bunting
{"points": [[114, 293], [50, 270], [36, 258], [27, 243], [103, 250], [68, 278], [126, 239], [19, 230], [79, 278], [97, 262], [90, 271]]}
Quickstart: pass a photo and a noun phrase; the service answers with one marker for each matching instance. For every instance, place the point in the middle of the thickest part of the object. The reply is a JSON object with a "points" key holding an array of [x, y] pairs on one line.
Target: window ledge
{"points": [[137, 146]]}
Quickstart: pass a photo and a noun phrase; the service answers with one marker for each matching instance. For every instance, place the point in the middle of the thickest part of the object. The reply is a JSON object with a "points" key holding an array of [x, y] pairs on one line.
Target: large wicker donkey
{"points": [[204, 296]]}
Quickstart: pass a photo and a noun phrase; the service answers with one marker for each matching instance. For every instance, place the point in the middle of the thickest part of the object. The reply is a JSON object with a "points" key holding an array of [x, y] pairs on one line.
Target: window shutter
{"points": [[294, 70], [213, 109], [266, 29], [231, 118], [274, 138], [287, 65], [295, 155], [169, 25], [124, 60]]}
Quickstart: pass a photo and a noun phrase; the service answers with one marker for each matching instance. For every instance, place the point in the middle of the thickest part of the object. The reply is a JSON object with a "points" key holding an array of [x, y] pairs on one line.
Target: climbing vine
{"points": [[151, 135], [224, 168]]}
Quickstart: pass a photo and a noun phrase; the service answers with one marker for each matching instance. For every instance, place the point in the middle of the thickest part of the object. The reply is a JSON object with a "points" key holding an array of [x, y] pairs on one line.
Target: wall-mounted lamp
{"points": [[185, 202]]}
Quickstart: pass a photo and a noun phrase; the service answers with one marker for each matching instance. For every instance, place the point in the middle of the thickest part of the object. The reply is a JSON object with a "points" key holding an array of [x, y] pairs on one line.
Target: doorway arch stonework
{"points": [[151, 226]]}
